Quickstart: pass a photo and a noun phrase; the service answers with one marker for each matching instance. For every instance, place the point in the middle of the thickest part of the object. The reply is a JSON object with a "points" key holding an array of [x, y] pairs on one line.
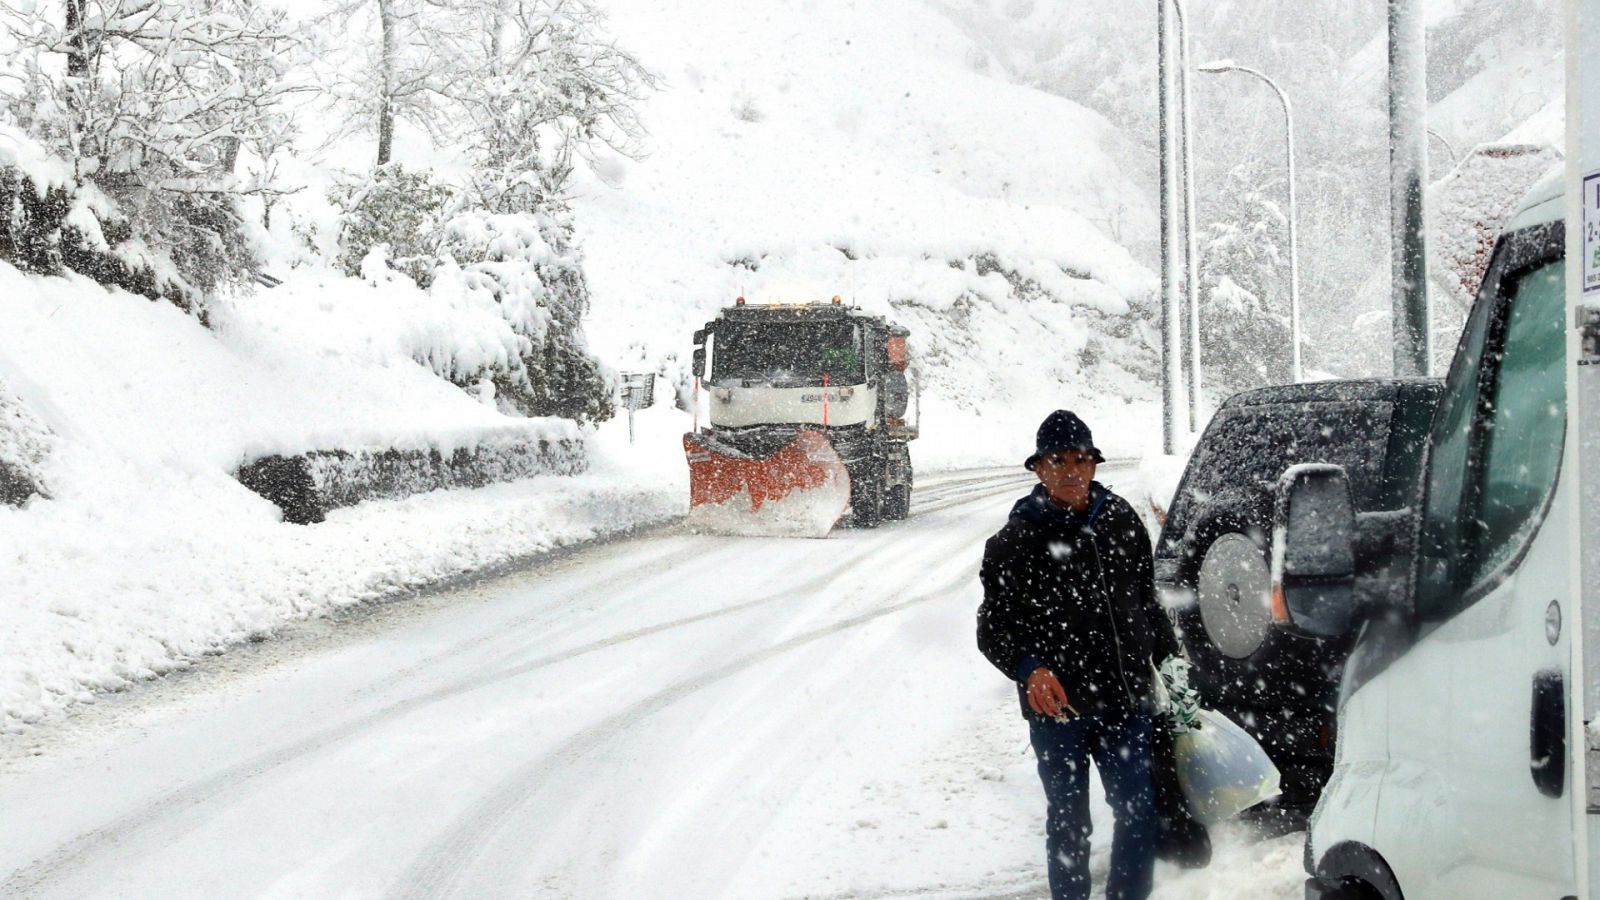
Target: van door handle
{"points": [[1548, 741]]}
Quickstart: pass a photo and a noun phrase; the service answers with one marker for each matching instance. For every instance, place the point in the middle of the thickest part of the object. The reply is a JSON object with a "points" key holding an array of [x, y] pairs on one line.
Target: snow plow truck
{"points": [[807, 420]]}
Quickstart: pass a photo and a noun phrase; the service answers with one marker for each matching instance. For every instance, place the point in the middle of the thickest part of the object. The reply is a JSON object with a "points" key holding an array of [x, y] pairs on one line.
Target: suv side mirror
{"points": [[1313, 550]]}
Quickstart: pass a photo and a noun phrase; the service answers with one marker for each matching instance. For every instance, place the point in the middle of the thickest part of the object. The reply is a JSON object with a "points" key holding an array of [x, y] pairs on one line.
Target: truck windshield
{"points": [[797, 353]]}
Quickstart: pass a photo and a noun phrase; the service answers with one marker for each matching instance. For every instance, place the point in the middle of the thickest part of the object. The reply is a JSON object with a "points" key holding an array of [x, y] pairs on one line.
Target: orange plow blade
{"points": [[801, 490]]}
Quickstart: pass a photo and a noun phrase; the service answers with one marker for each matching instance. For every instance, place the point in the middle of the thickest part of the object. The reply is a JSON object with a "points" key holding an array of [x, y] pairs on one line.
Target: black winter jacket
{"points": [[1075, 593]]}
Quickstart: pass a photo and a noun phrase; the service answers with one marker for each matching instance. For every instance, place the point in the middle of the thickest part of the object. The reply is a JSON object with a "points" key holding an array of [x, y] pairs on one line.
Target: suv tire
{"points": [[1234, 591]]}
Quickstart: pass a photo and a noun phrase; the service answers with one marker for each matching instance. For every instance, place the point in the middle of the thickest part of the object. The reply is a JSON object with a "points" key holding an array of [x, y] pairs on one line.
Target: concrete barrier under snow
{"points": [[307, 486]]}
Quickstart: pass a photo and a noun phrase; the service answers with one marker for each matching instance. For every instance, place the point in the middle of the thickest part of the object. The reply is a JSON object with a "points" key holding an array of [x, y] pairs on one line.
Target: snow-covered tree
{"points": [[1244, 320], [150, 102], [535, 83], [529, 89], [534, 87], [396, 75]]}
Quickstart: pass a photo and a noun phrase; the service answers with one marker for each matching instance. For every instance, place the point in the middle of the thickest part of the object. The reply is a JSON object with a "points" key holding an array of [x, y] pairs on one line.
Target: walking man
{"points": [[1069, 613]]}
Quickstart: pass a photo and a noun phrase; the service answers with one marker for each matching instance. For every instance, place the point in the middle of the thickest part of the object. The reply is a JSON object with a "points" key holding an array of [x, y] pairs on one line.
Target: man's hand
{"points": [[1046, 696]]}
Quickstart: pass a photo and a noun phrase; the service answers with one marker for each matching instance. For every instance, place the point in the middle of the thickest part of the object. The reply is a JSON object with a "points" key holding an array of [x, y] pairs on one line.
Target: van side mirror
{"points": [[1313, 550]]}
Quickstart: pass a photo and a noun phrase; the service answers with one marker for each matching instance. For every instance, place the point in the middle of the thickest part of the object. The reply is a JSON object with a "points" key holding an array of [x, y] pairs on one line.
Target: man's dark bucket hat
{"points": [[1062, 430]]}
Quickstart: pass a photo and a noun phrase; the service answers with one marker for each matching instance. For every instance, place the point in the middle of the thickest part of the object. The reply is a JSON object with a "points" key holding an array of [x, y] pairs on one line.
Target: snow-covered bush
{"points": [[526, 262], [538, 85], [49, 223], [25, 444], [395, 207], [30, 238]]}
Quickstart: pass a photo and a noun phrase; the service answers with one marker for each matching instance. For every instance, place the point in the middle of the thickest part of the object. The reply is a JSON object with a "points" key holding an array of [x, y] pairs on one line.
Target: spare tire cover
{"points": [[1235, 595]]}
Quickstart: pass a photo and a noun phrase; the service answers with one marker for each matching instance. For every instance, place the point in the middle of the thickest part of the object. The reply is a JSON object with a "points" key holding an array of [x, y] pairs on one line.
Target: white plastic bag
{"points": [[1221, 769]]}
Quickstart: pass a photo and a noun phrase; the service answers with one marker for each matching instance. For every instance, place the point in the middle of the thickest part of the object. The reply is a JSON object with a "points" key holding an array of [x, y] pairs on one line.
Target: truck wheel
{"points": [[898, 505], [866, 501]]}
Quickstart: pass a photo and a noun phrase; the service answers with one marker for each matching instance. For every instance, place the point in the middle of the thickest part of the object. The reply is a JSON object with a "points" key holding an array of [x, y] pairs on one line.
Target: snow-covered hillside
{"points": [[801, 150]]}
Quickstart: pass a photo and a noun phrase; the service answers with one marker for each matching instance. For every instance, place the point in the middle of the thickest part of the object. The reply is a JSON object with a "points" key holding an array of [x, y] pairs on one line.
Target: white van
{"points": [[1455, 773]]}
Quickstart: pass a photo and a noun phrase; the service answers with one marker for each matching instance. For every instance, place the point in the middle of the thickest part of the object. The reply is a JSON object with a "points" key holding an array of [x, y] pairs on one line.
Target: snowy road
{"points": [[669, 716]]}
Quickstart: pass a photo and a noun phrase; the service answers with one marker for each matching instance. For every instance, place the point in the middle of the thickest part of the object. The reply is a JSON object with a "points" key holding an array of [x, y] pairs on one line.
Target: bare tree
{"points": [[398, 79], [535, 84]]}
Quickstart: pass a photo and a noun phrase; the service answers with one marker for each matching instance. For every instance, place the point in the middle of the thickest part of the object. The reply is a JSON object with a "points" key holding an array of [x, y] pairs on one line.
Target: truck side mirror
{"points": [[1313, 550], [699, 365]]}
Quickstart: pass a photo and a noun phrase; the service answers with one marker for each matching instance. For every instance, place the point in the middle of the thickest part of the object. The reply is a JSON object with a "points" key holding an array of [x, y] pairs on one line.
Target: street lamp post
{"points": [[1408, 175], [1173, 418], [1191, 278], [1228, 65]]}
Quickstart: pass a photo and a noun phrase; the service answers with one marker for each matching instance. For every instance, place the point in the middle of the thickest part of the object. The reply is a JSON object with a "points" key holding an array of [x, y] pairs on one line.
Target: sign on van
{"points": [[1591, 232]]}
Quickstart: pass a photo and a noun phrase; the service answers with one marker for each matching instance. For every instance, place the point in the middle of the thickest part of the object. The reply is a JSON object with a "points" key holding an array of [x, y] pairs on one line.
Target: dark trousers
{"points": [[1120, 746]]}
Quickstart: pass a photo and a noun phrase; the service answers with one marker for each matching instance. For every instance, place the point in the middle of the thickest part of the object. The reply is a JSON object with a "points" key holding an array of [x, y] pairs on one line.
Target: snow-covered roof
{"points": [[1544, 202]]}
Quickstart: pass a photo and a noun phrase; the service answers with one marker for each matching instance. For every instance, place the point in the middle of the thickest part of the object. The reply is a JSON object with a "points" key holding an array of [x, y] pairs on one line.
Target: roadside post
{"points": [[638, 392], [1174, 415], [1408, 173], [1191, 256]]}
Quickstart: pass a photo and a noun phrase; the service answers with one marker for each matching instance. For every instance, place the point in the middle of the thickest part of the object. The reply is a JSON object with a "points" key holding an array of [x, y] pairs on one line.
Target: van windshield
{"points": [[788, 353]]}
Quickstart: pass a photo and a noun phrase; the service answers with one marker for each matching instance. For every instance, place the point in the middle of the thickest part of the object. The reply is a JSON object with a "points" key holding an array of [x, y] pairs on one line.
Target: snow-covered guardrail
{"points": [[307, 486]]}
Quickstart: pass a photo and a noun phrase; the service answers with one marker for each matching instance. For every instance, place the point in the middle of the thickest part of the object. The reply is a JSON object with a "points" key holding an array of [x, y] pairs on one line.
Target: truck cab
{"points": [[826, 375], [1459, 768]]}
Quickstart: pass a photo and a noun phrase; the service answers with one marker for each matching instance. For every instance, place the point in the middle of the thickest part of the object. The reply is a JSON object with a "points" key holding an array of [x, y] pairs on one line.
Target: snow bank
{"points": [[149, 554]]}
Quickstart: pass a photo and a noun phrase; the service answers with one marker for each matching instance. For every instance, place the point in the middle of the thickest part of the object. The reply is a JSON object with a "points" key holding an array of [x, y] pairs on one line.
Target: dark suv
{"points": [[1213, 559]]}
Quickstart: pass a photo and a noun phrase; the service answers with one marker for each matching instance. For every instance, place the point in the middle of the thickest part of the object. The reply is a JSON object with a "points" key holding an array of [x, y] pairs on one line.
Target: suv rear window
{"points": [[1246, 449]]}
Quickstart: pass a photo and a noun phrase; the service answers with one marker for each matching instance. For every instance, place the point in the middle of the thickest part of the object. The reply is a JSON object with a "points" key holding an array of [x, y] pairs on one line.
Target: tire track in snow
{"points": [[435, 873], [1021, 885], [442, 866], [161, 811], [955, 497], [946, 494], [172, 803]]}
